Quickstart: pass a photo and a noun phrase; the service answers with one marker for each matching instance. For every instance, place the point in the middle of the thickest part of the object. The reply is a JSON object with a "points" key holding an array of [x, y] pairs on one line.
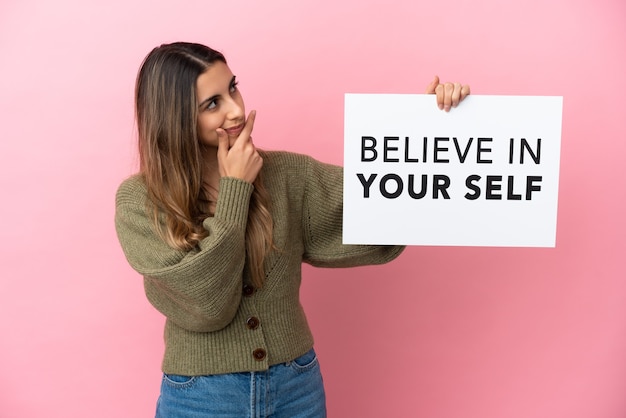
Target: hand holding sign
{"points": [[448, 94]]}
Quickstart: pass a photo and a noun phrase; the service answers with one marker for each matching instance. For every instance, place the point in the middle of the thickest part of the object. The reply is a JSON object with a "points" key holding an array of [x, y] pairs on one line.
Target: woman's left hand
{"points": [[449, 95]]}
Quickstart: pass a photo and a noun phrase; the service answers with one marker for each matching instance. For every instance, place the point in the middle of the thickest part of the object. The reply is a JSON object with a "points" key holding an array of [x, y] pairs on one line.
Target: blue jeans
{"points": [[287, 390]]}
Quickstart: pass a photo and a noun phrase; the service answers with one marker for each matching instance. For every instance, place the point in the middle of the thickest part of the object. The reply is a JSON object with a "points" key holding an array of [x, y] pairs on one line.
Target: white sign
{"points": [[484, 174]]}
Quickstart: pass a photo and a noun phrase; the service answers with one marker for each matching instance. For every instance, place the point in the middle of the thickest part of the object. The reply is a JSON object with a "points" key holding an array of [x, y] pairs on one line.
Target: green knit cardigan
{"points": [[216, 321]]}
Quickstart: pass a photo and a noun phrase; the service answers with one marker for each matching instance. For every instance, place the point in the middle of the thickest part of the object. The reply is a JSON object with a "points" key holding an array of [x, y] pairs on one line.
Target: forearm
{"points": [[199, 289]]}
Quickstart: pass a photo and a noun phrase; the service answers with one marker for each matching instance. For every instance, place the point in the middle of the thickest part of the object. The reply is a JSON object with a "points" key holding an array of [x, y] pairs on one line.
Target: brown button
{"points": [[259, 354], [248, 290], [253, 322]]}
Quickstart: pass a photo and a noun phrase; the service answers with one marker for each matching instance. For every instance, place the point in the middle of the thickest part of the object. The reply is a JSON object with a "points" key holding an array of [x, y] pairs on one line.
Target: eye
{"points": [[211, 105], [233, 86]]}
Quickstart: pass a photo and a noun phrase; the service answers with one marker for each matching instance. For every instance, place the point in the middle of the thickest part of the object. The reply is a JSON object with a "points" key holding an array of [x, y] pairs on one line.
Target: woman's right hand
{"points": [[241, 160]]}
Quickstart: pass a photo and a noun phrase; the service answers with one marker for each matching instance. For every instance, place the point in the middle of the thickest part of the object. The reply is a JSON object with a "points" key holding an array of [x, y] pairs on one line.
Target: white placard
{"points": [[484, 174]]}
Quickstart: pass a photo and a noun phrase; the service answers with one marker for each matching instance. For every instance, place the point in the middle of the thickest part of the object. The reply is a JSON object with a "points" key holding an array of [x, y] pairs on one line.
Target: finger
{"points": [[439, 91], [456, 94], [247, 129], [430, 89], [465, 91], [448, 89]]}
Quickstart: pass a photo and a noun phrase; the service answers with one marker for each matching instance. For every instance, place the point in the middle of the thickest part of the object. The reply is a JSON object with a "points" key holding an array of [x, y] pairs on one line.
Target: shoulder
{"points": [[291, 161], [284, 158], [133, 189]]}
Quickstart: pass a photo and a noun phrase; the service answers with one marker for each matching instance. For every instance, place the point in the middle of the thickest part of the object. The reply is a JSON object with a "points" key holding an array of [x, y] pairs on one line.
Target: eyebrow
{"points": [[210, 99]]}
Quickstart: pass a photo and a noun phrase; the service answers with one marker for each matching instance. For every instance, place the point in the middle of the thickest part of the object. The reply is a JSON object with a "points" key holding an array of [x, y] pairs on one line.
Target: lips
{"points": [[235, 130]]}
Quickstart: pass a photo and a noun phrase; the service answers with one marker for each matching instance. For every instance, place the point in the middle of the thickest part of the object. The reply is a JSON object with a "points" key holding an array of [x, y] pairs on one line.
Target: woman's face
{"points": [[220, 104]]}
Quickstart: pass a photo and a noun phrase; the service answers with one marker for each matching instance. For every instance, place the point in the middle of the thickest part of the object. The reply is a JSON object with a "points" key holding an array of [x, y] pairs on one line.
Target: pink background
{"points": [[441, 332]]}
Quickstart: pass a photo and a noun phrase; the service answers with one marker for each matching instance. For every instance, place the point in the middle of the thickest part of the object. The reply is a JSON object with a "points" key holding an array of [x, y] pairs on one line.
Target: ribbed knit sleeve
{"points": [[198, 290], [323, 223]]}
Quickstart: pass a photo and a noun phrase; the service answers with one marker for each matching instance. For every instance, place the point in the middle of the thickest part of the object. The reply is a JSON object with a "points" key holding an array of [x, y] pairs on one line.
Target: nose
{"points": [[235, 109]]}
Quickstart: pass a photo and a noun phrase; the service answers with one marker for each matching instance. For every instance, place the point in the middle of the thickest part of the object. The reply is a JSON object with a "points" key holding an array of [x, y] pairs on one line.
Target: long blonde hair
{"points": [[170, 153]]}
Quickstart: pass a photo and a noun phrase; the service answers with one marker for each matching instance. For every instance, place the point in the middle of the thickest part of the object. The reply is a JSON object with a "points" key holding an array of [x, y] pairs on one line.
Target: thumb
{"points": [[222, 144], [432, 86]]}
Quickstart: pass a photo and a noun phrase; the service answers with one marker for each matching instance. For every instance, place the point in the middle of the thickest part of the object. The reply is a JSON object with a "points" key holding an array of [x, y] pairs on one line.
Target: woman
{"points": [[219, 229]]}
